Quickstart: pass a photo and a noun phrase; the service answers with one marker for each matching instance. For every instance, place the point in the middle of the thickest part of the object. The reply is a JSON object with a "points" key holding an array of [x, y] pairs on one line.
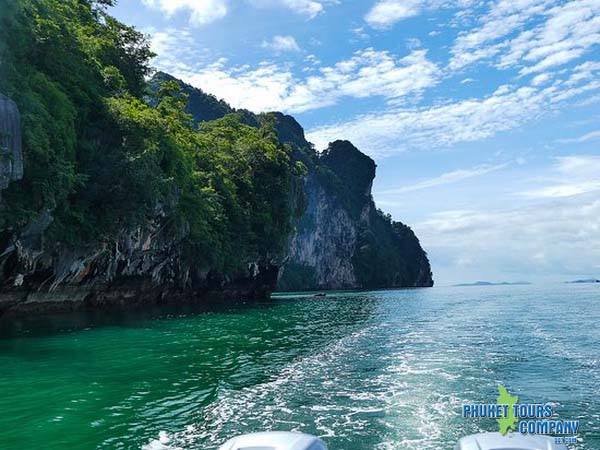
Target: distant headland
{"points": [[589, 280], [490, 283]]}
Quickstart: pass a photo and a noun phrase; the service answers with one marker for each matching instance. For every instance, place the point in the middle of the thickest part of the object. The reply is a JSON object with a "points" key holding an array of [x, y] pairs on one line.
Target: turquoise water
{"points": [[373, 370]]}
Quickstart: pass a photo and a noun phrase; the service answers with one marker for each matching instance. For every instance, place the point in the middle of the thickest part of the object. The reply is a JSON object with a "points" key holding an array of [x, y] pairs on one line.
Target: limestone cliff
{"points": [[341, 241], [322, 247], [11, 156], [141, 267], [138, 265], [112, 196]]}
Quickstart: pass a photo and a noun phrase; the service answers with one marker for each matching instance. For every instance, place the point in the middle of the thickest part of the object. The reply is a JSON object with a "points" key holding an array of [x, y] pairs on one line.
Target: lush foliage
{"points": [[388, 253], [201, 105], [104, 154]]}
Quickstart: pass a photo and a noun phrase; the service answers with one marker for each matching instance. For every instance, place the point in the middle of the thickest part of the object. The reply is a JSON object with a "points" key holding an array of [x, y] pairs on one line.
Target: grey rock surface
{"points": [[11, 153]]}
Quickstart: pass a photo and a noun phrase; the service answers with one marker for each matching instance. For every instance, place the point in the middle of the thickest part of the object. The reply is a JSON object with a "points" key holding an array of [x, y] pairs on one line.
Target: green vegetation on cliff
{"points": [[103, 153], [369, 250], [202, 106], [150, 179]]}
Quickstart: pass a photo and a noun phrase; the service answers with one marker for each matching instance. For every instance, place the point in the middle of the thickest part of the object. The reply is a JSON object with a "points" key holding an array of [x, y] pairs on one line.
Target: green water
{"points": [[375, 370]]}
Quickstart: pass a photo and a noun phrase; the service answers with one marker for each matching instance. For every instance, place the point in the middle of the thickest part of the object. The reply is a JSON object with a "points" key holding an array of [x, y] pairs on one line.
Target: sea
{"points": [[389, 369]]}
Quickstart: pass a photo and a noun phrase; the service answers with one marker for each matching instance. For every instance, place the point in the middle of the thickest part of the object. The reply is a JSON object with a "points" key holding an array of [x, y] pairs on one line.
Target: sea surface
{"points": [[364, 370]]}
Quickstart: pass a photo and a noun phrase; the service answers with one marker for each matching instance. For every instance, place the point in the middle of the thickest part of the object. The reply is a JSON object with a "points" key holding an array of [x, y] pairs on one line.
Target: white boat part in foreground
{"points": [[278, 440], [275, 440], [510, 441]]}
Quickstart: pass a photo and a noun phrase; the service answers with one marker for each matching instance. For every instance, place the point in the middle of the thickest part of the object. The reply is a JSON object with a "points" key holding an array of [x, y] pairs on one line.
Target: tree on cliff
{"points": [[102, 153]]}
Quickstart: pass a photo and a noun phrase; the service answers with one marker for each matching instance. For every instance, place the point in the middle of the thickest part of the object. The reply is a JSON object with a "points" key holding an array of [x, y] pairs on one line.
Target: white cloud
{"points": [[577, 165], [504, 17], [360, 33], [201, 12], [591, 100], [308, 8], [569, 31], [591, 136], [176, 48], [564, 190], [545, 240], [541, 79], [552, 233], [261, 89], [446, 178], [461, 121], [387, 12], [510, 32], [282, 44], [435, 126], [367, 73], [311, 63], [571, 176]]}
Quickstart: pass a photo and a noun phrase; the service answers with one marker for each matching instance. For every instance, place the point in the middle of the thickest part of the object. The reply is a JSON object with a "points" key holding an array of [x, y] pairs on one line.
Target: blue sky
{"points": [[483, 116]]}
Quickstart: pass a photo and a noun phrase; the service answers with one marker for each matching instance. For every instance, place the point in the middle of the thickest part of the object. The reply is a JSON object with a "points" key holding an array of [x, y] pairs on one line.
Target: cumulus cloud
{"points": [[468, 120], [504, 17], [510, 32], [548, 239], [571, 176], [308, 8], [386, 13], [541, 79], [550, 230], [282, 44], [269, 86], [569, 31], [201, 12], [177, 49]]}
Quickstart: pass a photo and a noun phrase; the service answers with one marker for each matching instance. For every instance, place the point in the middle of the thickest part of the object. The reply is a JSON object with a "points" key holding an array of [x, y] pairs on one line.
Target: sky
{"points": [[483, 116]]}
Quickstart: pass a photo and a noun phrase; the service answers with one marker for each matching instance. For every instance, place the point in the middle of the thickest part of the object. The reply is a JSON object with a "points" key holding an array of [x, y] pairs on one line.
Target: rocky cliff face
{"points": [[141, 266], [11, 156], [341, 241], [321, 249], [137, 266]]}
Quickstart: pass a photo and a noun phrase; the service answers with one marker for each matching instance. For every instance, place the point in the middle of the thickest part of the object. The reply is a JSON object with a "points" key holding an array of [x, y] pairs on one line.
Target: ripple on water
{"points": [[380, 370]]}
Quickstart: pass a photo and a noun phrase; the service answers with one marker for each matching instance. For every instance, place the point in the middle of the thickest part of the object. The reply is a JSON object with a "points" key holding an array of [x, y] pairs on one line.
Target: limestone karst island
{"points": [[123, 187], [221, 222]]}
